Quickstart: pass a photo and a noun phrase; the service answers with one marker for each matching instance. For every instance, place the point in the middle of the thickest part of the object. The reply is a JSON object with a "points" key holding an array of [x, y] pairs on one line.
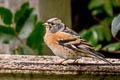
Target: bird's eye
{"points": [[52, 24], [49, 22]]}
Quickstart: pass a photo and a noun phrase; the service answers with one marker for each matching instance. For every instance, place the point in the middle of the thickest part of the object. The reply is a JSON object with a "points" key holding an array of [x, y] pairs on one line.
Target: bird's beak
{"points": [[45, 24]]}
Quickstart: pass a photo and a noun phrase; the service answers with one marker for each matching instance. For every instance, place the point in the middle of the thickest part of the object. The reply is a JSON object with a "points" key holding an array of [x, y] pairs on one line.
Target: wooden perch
{"points": [[47, 65]]}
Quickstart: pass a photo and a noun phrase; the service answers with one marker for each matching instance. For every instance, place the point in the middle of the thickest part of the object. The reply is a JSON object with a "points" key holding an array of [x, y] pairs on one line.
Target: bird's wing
{"points": [[79, 44]]}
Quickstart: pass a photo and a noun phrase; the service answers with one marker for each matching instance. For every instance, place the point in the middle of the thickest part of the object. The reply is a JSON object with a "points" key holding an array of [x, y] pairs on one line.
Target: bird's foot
{"points": [[62, 62], [75, 61]]}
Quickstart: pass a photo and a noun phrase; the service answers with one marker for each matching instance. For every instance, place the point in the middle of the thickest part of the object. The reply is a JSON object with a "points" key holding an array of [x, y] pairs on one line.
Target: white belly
{"points": [[64, 53], [59, 53]]}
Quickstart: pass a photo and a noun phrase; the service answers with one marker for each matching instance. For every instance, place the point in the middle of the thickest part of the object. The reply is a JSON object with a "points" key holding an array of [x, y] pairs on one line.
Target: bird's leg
{"points": [[75, 61], [61, 62]]}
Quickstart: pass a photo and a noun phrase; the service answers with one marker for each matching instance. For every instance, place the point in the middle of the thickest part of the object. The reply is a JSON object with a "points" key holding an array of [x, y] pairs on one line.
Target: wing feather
{"points": [[75, 42]]}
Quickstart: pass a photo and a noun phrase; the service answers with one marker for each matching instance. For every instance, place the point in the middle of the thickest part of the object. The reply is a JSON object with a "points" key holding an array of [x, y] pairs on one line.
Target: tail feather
{"points": [[99, 56]]}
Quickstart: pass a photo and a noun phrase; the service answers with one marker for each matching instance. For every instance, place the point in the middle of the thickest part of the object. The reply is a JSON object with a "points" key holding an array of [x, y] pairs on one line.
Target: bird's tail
{"points": [[99, 56]]}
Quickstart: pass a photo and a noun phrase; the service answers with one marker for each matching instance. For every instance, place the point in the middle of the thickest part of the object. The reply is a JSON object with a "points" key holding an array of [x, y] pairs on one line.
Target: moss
{"points": [[57, 77]]}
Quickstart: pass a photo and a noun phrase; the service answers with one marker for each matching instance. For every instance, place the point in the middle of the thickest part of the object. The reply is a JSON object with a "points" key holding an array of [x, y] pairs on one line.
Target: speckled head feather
{"points": [[54, 20], [56, 25]]}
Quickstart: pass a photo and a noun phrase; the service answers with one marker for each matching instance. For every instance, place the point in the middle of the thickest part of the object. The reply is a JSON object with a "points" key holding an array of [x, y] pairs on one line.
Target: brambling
{"points": [[66, 43]]}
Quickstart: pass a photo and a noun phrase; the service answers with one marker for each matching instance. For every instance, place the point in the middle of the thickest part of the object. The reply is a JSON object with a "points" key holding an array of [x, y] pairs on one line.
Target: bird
{"points": [[66, 43]]}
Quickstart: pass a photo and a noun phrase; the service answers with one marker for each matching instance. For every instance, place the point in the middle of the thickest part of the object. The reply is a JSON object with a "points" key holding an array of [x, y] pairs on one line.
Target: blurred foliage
{"points": [[113, 47], [6, 15], [103, 6], [35, 40], [115, 25], [101, 32], [24, 27]]}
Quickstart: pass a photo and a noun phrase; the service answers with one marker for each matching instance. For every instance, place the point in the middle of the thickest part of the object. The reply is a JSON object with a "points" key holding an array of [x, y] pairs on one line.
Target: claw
{"points": [[62, 62], [75, 61]]}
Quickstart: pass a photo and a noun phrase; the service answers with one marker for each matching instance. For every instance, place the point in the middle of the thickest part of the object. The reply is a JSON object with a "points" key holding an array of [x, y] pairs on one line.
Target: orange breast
{"points": [[52, 39]]}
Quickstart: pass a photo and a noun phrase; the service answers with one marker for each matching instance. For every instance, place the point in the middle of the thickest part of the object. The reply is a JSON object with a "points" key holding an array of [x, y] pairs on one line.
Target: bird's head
{"points": [[54, 25]]}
